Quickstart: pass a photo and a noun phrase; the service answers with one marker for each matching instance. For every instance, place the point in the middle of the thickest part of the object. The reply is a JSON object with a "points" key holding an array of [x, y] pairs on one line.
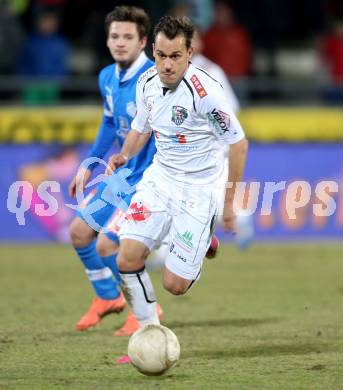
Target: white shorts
{"points": [[185, 215]]}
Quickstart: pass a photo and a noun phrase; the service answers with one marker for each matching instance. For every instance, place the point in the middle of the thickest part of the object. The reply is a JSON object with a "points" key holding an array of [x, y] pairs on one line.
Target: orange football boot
{"points": [[99, 309], [132, 324]]}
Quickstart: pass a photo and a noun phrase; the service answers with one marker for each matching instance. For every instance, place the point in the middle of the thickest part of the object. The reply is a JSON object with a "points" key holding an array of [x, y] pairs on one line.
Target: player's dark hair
{"points": [[172, 26], [124, 13]]}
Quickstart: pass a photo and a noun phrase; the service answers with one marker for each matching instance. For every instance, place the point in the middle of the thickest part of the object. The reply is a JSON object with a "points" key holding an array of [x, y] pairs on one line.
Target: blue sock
{"points": [[111, 262], [99, 274]]}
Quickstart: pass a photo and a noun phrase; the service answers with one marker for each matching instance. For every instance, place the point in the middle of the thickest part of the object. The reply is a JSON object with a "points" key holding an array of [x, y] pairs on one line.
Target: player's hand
{"points": [[229, 218], [79, 181], [114, 162]]}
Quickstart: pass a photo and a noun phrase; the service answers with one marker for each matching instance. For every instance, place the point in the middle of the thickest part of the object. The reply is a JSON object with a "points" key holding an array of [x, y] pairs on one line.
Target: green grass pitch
{"points": [[267, 318]]}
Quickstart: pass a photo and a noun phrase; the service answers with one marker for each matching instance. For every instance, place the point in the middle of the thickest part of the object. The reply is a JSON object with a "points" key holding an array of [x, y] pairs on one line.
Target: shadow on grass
{"points": [[235, 322], [260, 351]]}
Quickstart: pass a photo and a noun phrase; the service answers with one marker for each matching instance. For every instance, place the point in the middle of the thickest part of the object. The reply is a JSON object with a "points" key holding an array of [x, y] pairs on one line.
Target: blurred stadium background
{"points": [[287, 71]]}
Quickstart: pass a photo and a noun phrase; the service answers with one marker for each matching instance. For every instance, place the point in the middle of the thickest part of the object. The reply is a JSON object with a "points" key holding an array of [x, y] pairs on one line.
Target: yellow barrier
{"points": [[65, 125], [293, 124], [70, 125]]}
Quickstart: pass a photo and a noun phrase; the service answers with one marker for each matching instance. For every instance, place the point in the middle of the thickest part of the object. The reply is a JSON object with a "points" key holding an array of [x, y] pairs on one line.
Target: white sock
{"points": [[139, 293]]}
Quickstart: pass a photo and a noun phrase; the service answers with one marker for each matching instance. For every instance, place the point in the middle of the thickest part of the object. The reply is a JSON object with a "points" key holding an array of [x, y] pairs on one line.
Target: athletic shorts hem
{"points": [[150, 243], [181, 271]]}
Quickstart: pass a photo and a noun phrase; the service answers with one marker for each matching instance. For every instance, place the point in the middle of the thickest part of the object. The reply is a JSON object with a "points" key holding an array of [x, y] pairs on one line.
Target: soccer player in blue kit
{"points": [[127, 29]]}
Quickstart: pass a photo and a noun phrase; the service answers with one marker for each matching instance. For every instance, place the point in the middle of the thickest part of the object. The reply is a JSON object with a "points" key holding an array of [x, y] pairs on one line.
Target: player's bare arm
{"points": [[236, 161], [79, 181], [134, 142]]}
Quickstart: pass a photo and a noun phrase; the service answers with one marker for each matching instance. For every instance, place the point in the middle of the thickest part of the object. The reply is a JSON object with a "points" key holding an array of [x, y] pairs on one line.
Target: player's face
{"points": [[171, 58], [124, 43]]}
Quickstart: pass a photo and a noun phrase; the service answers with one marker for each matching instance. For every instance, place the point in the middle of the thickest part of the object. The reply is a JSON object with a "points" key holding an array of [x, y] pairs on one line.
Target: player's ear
{"points": [[190, 53], [144, 40], [153, 50]]}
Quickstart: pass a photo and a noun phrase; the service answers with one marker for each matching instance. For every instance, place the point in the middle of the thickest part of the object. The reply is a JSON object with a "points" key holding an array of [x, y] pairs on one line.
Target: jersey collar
{"points": [[134, 68], [190, 71]]}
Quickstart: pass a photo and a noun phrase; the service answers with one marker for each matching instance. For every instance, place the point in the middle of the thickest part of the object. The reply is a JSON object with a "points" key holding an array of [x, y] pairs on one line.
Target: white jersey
{"points": [[191, 125], [218, 74]]}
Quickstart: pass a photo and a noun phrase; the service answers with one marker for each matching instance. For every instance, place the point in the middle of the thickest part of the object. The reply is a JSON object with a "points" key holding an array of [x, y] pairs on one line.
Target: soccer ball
{"points": [[153, 349]]}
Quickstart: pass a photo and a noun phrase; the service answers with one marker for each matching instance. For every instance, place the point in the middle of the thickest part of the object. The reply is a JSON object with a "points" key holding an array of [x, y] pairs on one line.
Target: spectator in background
{"points": [[332, 52], [11, 39], [198, 59], [331, 49], [55, 6], [227, 43], [45, 55]]}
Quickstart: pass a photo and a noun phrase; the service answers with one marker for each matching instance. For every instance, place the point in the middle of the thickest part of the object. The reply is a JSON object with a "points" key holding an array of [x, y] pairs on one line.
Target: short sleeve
{"points": [[140, 122]]}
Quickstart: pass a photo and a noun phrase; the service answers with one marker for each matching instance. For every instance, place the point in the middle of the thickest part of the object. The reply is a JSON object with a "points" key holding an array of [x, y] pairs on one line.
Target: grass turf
{"points": [[267, 318]]}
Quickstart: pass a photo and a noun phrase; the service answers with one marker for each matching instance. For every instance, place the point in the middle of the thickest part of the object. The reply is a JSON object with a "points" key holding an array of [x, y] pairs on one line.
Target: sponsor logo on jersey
{"points": [[131, 109], [184, 240], [122, 133], [198, 86], [220, 119], [179, 114], [180, 257], [123, 127], [179, 138], [123, 123], [174, 251], [138, 212], [147, 74]]}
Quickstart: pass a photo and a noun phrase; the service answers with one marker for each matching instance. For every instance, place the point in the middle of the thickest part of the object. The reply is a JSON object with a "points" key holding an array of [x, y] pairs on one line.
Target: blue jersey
{"points": [[118, 90]]}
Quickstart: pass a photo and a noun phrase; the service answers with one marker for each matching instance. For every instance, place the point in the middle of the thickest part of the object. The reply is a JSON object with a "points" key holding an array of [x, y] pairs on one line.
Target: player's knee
{"points": [[105, 247], [80, 233], [132, 255], [128, 258], [174, 284], [174, 288]]}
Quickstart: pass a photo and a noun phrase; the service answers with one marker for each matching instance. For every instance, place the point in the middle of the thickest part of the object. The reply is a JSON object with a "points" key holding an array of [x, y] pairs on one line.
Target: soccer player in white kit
{"points": [[191, 119]]}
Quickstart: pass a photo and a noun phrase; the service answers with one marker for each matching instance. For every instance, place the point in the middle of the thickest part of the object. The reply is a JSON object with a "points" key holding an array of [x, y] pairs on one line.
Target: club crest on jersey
{"points": [[198, 86], [179, 114]]}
